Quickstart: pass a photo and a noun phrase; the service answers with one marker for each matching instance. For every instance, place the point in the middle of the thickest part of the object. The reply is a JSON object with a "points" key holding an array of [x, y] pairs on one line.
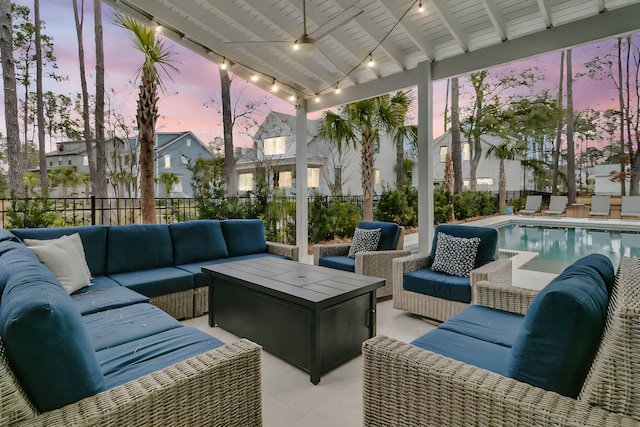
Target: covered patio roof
{"points": [[409, 48]]}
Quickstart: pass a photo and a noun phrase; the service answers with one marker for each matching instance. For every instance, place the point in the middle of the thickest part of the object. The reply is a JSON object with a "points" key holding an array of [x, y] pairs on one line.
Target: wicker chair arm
{"points": [[404, 385], [337, 249], [221, 387], [499, 271], [289, 251], [503, 297], [412, 262], [378, 263]]}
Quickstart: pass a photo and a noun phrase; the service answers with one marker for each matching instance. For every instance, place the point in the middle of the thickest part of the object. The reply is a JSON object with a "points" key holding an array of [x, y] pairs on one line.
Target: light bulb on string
{"points": [[370, 62], [274, 86], [223, 66], [420, 7]]}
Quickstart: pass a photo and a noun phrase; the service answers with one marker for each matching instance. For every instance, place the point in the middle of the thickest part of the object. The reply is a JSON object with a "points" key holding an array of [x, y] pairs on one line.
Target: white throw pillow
{"points": [[364, 240], [455, 255], [65, 258]]}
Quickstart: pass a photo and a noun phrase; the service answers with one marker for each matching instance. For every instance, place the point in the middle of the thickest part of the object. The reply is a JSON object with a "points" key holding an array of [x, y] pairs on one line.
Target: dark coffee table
{"points": [[315, 318]]}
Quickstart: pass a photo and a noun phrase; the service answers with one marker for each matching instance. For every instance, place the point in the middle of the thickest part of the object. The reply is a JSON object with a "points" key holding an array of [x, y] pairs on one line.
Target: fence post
{"points": [[93, 209]]}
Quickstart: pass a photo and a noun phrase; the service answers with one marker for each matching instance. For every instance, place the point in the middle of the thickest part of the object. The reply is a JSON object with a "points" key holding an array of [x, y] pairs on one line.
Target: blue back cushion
{"points": [[389, 233], [45, 338], [94, 241], [244, 236], [561, 333], [200, 240], [488, 240], [138, 247]]}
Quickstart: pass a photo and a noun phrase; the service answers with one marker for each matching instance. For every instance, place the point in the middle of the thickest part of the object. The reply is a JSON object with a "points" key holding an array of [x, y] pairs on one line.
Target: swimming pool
{"points": [[557, 248]]}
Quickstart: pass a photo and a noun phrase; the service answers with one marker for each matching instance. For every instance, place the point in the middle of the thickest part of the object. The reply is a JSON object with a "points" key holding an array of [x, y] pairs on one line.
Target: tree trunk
{"points": [[477, 81], [147, 115], [227, 125], [571, 155], [79, 21], [367, 169], [502, 188], [41, 148], [633, 151], [623, 180], [456, 140], [399, 164], [10, 99], [100, 185], [556, 152], [475, 161]]}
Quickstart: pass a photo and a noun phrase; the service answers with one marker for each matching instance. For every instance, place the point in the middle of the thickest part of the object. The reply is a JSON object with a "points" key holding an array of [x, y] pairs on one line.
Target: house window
{"points": [[313, 177], [273, 146], [443, 153], [285, 179], [50, 162], [377, 177], [188, 142], [466, 151], [167, 161], [184, 159], [69, 162], [60, 161], [245, 182]]}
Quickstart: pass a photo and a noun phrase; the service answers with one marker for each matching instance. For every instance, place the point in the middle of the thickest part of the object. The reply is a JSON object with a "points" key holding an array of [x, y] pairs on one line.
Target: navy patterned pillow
{"points": [[455, 255], [364, 240]]}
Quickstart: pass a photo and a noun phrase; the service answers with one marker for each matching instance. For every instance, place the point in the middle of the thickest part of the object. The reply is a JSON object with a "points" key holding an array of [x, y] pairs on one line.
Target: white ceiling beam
{"points": [[451, 23], [496, 18], [545, 11], [410, 29]]}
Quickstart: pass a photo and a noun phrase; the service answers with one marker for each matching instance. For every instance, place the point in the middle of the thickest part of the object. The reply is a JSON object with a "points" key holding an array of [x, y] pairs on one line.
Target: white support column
{"points": [[425, 145], [302, 205]]}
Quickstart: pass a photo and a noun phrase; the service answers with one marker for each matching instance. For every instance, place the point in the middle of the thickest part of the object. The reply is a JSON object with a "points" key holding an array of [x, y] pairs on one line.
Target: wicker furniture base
{"points": [[178, 304], [201, 301]]}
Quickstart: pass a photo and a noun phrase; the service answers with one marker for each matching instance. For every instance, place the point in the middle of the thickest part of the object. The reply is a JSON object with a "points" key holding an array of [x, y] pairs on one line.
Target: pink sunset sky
{"points": [[188, 103]]}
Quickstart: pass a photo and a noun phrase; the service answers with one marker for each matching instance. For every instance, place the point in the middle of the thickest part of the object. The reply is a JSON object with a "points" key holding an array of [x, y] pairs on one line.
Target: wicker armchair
{"points": [[375, 264], [221, 387], [406, 385], [434, 307]]}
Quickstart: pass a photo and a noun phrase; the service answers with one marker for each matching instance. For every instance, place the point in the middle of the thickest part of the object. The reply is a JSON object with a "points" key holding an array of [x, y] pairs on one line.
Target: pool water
{"points": [[558, 248]]}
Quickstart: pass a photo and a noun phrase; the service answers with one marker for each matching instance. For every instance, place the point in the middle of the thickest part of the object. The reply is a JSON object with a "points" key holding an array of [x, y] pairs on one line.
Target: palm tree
{"points": [[156, 54], [168, 179], [507, 150], [361, 123]]}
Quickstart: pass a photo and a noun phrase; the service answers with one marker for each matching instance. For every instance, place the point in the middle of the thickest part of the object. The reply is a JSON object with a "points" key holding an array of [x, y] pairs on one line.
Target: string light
{"points": [[296, 46], [370, 63], [158, 28], [292, 98], [254, 78], [223, 66], [274, 86], [337, 89], [420, 7], [317, 98]]}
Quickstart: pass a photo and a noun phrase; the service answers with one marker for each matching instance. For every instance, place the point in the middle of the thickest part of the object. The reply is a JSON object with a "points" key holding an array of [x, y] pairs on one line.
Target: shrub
{"points": [[393, 206], [33, 210], [329, 218], [442, 200]]}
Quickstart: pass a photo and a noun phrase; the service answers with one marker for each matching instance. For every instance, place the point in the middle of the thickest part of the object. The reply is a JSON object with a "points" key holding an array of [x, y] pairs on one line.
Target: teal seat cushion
{"points": [[389, 232], [463, 348], [104, 294], [201, 279], [140, 357], [486, 324], [560, 334], [488, 240], [195, 241], [156, 282], [244, 236], [117, 326], [94, 242], [437, 284], [45, 338], [138, 247], [344, 262]]}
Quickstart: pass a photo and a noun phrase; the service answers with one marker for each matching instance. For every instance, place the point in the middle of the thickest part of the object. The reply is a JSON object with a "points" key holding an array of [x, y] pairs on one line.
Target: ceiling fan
{"points": [[307, 42]]}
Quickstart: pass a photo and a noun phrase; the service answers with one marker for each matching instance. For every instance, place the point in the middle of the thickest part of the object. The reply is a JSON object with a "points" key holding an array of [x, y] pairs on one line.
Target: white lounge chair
{"points": [[557, 205], [533, 205], [600, 206], [630, 207]]}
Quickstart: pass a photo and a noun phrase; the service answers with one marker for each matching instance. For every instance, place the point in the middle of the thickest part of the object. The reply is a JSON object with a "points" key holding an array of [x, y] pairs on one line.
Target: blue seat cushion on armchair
{"points": [[463, 348], [389, 232], [561, 333], [340, 262], [244, 236], [198, 240], [488, 240], [486, 324], [156, 282], [436, 284]]}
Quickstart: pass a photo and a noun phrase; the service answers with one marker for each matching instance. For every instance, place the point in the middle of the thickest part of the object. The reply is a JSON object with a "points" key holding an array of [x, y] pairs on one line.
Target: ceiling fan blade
{"points": [[337, 21]]}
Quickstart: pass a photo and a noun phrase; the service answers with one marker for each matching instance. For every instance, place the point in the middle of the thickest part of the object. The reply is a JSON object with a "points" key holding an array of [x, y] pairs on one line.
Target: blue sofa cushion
{"points": [[199, 240], [94, 242], [340, 262], [104, 294], [560, 334], [45, 338], [201, 279], [244, 236], [486, 324], [463, 348], [110, 328], [598, 263], [388, 236], [156, 282], [138, 247], [436, 284], [134, 359], [488, 240]]}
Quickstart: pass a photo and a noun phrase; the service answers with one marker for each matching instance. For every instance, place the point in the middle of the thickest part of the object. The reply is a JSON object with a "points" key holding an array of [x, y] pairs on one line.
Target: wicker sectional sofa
{"points": [[588, 377], [105, 355]]}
